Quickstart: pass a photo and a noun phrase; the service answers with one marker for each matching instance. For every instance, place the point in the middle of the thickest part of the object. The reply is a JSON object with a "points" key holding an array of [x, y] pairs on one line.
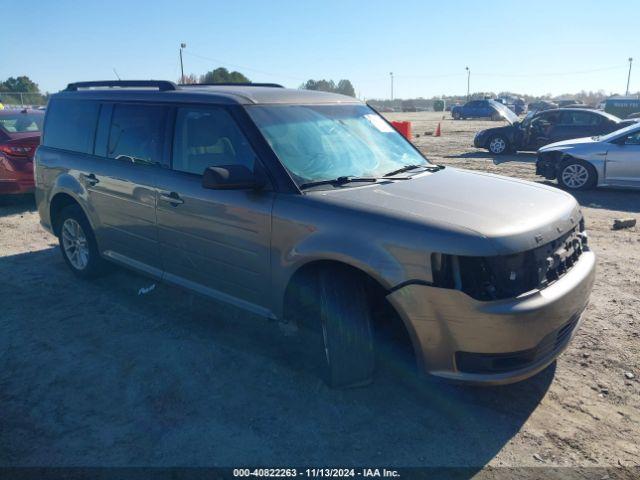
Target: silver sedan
{"points": [[583, 163]]}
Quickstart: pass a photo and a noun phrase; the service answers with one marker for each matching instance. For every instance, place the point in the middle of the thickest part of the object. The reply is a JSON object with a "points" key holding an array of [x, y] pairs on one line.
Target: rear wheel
{"points": [[343, 320], [577, 174], [78, 244], [498, 145]]}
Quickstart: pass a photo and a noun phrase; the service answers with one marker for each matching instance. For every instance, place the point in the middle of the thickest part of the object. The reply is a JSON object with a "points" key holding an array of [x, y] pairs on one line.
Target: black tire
{"points": [[498, 145], [95, 264], [495, 117], [575, 174], [345, 322], [456, 116]]}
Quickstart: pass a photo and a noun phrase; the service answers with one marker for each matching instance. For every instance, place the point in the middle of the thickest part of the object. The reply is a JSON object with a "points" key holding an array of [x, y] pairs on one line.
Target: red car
{"points": [[19, 137]]}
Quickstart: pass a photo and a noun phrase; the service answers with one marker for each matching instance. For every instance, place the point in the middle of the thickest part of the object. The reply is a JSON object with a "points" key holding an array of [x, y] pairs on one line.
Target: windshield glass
{"points": [[323, 142], [20, 122], [619, 133]]}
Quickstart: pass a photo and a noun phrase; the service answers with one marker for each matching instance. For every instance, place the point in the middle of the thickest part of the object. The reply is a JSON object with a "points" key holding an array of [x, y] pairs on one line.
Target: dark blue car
{"points": [[478, 109]]}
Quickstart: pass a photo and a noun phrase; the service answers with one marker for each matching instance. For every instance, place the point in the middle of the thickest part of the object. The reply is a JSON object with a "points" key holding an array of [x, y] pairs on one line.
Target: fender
{"points": [[387, 264], [69, 184]]}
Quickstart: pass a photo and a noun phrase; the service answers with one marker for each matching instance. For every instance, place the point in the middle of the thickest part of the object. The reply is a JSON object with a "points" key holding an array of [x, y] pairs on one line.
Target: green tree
{"points": [[24, 85], [344, 86], [222, 75]]}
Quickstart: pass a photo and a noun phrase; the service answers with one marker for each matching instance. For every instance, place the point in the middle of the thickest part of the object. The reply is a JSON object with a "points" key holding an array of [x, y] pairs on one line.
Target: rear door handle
{"points": [[171, 197], [91, 179]]}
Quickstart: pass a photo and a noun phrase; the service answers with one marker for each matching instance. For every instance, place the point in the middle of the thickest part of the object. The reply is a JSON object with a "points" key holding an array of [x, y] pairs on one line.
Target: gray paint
{"points": [[243, 246], [616, 165]]}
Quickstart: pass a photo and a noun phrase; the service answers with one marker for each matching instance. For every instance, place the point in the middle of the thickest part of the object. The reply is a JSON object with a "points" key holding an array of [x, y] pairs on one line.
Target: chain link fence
{"points": [[22, 99]]}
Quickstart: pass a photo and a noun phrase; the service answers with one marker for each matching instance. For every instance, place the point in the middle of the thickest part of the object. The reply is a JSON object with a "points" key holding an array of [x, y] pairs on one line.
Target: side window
{"points": [[71, 125], [208, 137], [633, 139], [137, 133], [578, 119]]}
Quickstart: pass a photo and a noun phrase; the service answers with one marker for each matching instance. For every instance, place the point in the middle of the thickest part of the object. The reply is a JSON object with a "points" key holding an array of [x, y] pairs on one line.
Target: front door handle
{"points": [[171, 197], [91, 179]]}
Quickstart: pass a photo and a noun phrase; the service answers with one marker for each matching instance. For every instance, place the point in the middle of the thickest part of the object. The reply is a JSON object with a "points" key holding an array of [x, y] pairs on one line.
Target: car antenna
{"points": [[114, 71]]}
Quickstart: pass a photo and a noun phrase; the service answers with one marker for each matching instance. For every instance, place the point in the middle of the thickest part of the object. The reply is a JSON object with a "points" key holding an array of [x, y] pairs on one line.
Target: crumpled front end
{"points": [[495, 321]]}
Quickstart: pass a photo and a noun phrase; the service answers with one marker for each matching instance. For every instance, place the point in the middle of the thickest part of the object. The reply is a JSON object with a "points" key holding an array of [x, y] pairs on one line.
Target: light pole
{"points": [[182, 45], [468, 81], [629, 76], [391, 75]]}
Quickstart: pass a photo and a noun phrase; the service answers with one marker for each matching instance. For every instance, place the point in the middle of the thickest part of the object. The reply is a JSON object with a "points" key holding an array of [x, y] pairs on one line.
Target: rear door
{"points": [[472, 110], [121, 182], [623, 162], [216, 242], [575, 124]]}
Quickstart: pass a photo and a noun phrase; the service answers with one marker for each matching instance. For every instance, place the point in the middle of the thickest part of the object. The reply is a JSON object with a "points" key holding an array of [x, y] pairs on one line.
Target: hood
{"points": [[504, 129], [564, 144], [513, 215], [504, 111]]}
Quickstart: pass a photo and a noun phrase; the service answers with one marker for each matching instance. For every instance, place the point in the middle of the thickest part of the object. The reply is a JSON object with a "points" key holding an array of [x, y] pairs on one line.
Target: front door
{"points": [[623, 161], [216, 242]]}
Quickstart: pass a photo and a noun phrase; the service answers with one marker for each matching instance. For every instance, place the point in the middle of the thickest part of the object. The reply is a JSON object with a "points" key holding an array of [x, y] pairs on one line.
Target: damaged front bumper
{"points": [[494, 342], [546, 166]]}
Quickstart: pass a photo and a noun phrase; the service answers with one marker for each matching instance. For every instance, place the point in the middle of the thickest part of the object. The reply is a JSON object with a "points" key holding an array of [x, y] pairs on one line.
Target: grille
{"points": [[507, 276]]}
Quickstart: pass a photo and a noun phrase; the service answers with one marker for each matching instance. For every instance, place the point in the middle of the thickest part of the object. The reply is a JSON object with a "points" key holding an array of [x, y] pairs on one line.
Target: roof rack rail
{"points": [[161, 85], [232, 84]]}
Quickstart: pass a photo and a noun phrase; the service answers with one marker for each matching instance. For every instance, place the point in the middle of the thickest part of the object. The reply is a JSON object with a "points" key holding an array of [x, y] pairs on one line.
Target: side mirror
{"points": [[230, 177]]}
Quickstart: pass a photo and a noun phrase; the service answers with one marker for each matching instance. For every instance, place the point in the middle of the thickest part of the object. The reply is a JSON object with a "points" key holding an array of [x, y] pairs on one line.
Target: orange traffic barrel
{"points": [[404, 128]]}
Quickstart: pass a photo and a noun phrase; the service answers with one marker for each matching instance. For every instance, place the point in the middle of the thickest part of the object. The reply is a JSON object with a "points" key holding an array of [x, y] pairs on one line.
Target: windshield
{"points": [[324, 142], [20, 122], [619, 133]]}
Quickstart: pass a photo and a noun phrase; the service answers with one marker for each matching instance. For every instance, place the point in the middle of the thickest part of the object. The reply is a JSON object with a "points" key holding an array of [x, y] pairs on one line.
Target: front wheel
{"points": [[78, 244], [345, 317], [498, 145], [577, 174]]}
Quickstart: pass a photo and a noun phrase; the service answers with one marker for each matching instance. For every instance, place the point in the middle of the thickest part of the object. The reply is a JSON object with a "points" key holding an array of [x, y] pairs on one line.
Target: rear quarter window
{"points": [[71, 125]]}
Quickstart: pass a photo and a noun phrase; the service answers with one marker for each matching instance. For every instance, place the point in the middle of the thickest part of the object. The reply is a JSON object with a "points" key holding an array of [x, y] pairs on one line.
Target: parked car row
{"points": [[548, 126], [581, 148]]}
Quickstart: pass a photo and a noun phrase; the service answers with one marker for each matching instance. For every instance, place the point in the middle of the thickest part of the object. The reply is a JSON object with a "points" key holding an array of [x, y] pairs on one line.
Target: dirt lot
{"points": [[96, 374]]}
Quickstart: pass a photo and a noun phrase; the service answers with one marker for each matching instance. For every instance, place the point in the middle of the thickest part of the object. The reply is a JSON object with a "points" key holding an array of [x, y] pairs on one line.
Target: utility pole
{"points": [[182, 45], [391, 75], [468, 81], [629, 76]]}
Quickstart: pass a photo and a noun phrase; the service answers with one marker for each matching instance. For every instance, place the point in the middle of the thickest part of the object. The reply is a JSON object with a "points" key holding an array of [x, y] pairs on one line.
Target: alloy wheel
{"points": [[575, 175], [75, 244], [497, 145]]}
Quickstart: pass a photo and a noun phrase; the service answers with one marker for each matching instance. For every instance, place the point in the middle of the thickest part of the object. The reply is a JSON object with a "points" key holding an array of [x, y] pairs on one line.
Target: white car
{"points": [[583, 163]]}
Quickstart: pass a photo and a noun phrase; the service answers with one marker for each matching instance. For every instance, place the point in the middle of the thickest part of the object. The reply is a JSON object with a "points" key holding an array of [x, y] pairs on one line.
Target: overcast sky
{"points": [[534, 47]]}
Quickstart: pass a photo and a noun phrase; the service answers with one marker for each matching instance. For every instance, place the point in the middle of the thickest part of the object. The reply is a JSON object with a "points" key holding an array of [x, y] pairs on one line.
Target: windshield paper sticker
{"points": [[379, 123]]}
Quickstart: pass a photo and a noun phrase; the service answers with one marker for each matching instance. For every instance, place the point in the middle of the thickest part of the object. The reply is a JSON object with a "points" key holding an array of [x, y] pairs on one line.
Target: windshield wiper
{"points": [[338, 181], [406, 168]]}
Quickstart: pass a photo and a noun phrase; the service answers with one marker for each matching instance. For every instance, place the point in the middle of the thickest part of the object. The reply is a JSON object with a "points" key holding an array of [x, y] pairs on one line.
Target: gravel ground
{"points": [[94, 374]]}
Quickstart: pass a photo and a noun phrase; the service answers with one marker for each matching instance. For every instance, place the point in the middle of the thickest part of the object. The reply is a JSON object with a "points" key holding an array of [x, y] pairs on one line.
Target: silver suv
{"points": [[309, 208]]}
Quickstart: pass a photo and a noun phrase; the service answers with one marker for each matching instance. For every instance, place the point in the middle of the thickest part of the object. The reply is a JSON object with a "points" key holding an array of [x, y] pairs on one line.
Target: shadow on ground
{"points": [[622, 200], [497, 159], [94, 374], [12, 204]]}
